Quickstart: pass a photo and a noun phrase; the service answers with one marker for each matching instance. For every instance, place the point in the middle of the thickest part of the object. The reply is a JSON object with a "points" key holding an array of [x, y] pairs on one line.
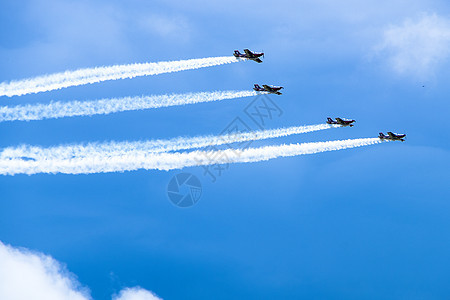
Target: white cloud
{"points": [[417, 47], [71, 34], [26, 275], [172, 27], [135, 293]]}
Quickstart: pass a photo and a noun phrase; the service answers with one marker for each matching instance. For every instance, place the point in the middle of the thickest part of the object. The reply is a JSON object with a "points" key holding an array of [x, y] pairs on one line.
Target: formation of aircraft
{"points": [[276, 90], [271, 89], [342, 122], [392, 136], [249, 55]]}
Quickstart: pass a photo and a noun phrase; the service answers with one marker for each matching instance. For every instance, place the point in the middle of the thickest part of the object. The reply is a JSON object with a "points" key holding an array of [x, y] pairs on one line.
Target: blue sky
{"points": [[370, 222]]}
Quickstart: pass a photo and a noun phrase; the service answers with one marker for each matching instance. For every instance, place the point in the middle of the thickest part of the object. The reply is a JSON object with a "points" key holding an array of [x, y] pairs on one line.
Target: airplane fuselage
{"points": [[248, 55], [268, 89]]}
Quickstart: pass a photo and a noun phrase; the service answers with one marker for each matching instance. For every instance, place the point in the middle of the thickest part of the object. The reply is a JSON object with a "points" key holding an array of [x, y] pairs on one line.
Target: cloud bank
{"points": [[26, 275]]}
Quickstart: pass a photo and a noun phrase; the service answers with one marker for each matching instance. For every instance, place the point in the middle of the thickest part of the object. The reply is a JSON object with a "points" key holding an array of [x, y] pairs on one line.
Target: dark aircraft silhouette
{"points": [[249, 55], [268, 88], [392, 136], [342, 122]]}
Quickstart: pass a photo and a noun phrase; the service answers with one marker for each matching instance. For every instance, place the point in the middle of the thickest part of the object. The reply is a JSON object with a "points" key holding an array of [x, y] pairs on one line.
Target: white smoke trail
{"points": [[102, 150], [107, 106], [92, 75], [168, 161]]}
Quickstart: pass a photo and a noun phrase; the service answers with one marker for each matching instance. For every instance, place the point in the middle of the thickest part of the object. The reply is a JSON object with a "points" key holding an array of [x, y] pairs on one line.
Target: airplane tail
{"points": [[381, 135], [329, 120], [237, 53], [257, 87]]}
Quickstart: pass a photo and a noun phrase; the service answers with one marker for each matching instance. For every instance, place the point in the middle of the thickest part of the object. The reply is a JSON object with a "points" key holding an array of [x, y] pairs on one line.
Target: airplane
{"points": [[342, 122], [249, 55], [392, 136], [271, 89]]}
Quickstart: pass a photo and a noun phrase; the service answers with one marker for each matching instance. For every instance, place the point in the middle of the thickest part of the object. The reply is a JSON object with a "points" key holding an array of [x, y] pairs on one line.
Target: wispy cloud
{"points": [[168, 27], [417, 46]]}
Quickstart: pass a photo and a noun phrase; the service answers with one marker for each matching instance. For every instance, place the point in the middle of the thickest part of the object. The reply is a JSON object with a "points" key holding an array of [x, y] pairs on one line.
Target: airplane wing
{"points": [[257, 60], [268, 88], [340, 121], [248, 52], [391, 135]]}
